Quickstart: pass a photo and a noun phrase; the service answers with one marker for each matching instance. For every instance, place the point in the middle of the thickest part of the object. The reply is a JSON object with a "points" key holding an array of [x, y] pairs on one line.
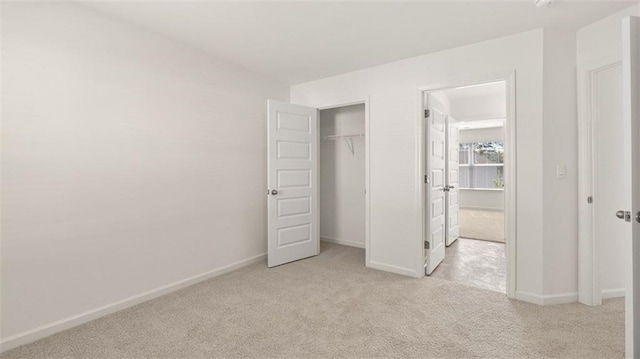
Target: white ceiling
{"points": [[295, 42]]}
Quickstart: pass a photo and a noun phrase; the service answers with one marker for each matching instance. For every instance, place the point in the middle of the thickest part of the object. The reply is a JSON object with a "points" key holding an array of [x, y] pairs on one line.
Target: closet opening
{"points": [[342, 172], [468, 154]]}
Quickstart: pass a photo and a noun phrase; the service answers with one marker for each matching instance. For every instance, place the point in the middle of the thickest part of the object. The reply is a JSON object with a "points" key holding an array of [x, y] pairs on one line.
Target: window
{"points": [[481, 165]]}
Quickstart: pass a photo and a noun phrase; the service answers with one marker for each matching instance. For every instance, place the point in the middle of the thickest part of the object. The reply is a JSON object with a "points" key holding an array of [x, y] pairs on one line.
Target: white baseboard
{"points": [[529, 298], [613, 293], [394, 269], [342, 242], [64, 324], [448, 243], [560, 298], [547, 299]]}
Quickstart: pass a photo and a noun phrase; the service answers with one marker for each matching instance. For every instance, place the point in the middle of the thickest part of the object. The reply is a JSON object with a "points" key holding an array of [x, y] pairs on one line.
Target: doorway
{"points": [[478, 192], [602, 187], [342, 175], [295, 136]]}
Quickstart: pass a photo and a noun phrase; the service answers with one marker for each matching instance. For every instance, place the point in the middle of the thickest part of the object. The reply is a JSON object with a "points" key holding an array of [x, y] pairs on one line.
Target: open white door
{"points": [[631, 157], [292, 180], [452, 186], [435, 130]]}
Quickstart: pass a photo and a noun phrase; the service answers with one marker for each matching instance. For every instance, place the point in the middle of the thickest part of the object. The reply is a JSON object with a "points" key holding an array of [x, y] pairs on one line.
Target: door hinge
{"points": [[426, 244], [427, 113], [427, 179], [590, 199]]}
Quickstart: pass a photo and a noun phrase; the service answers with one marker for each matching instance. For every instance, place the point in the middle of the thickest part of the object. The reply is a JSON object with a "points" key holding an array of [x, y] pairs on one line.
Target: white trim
{"points": [[509, 176], [343, 242], [480, 119], [480, 189], [547, 299], [73, 321], [397, 270], [367, 160], [589, 291], [613, 293], [420, 193], [559, 298], [530, 298]]}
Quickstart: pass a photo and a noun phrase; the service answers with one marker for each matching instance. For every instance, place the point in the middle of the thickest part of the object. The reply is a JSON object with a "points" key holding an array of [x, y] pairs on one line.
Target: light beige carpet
{"points": [[332, 306], [482, 224]]}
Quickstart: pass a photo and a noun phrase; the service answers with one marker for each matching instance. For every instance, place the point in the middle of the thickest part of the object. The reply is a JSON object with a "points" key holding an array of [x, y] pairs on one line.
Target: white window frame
{"points": [[471, 164]]}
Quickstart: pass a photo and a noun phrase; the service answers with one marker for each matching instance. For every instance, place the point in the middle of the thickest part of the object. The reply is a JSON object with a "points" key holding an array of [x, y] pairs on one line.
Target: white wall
{"points": [[491, 199], [342, 177], [476, 108], [471, 135], [603, 39], [560, 143], [599, 44], [395, 231], [129, 162]]}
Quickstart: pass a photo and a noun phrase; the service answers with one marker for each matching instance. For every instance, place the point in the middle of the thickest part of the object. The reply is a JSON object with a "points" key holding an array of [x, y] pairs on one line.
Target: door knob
{"points": [[274, 192], [626, 215], [638, 216]]}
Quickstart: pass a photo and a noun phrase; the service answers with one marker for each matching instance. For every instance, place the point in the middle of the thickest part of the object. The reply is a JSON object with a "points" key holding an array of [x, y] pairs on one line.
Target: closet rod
{"points": [[337, 137], [348, 139]]}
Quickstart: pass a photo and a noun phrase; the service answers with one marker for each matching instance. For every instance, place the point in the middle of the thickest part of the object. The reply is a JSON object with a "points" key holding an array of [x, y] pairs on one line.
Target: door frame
{"points": [[510, 189], [589, 289], [360, 101]]}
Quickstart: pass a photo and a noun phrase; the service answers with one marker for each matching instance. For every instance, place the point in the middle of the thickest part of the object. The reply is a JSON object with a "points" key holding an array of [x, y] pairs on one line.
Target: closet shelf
{"points": [[348, 139], [337, 137]]}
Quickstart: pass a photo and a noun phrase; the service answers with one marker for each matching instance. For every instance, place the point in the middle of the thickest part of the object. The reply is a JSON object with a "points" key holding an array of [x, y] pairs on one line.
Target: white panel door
{"points": [[292, 166], [609, 194], [631, 157], [453, 173], [436, 134]]}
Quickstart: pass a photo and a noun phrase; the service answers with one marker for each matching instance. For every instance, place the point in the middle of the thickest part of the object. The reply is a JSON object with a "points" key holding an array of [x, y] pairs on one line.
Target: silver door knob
{"points": [[620, 214], [274, 192], [638, 216]]}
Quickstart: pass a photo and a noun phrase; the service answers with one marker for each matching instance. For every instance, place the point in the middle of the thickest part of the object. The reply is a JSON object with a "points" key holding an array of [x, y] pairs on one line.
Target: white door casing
{"points": [[292, 182], [452, 181], [435, 126], [631, 158]]}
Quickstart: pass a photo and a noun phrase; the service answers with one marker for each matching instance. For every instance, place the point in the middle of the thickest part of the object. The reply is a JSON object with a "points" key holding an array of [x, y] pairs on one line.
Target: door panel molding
{"points": [[292, 182], [435, 135]]}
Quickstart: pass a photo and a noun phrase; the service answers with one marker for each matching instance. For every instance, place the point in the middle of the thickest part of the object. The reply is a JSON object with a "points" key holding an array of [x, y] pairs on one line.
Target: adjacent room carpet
{"points": [[482, 224], [332, 306]]}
